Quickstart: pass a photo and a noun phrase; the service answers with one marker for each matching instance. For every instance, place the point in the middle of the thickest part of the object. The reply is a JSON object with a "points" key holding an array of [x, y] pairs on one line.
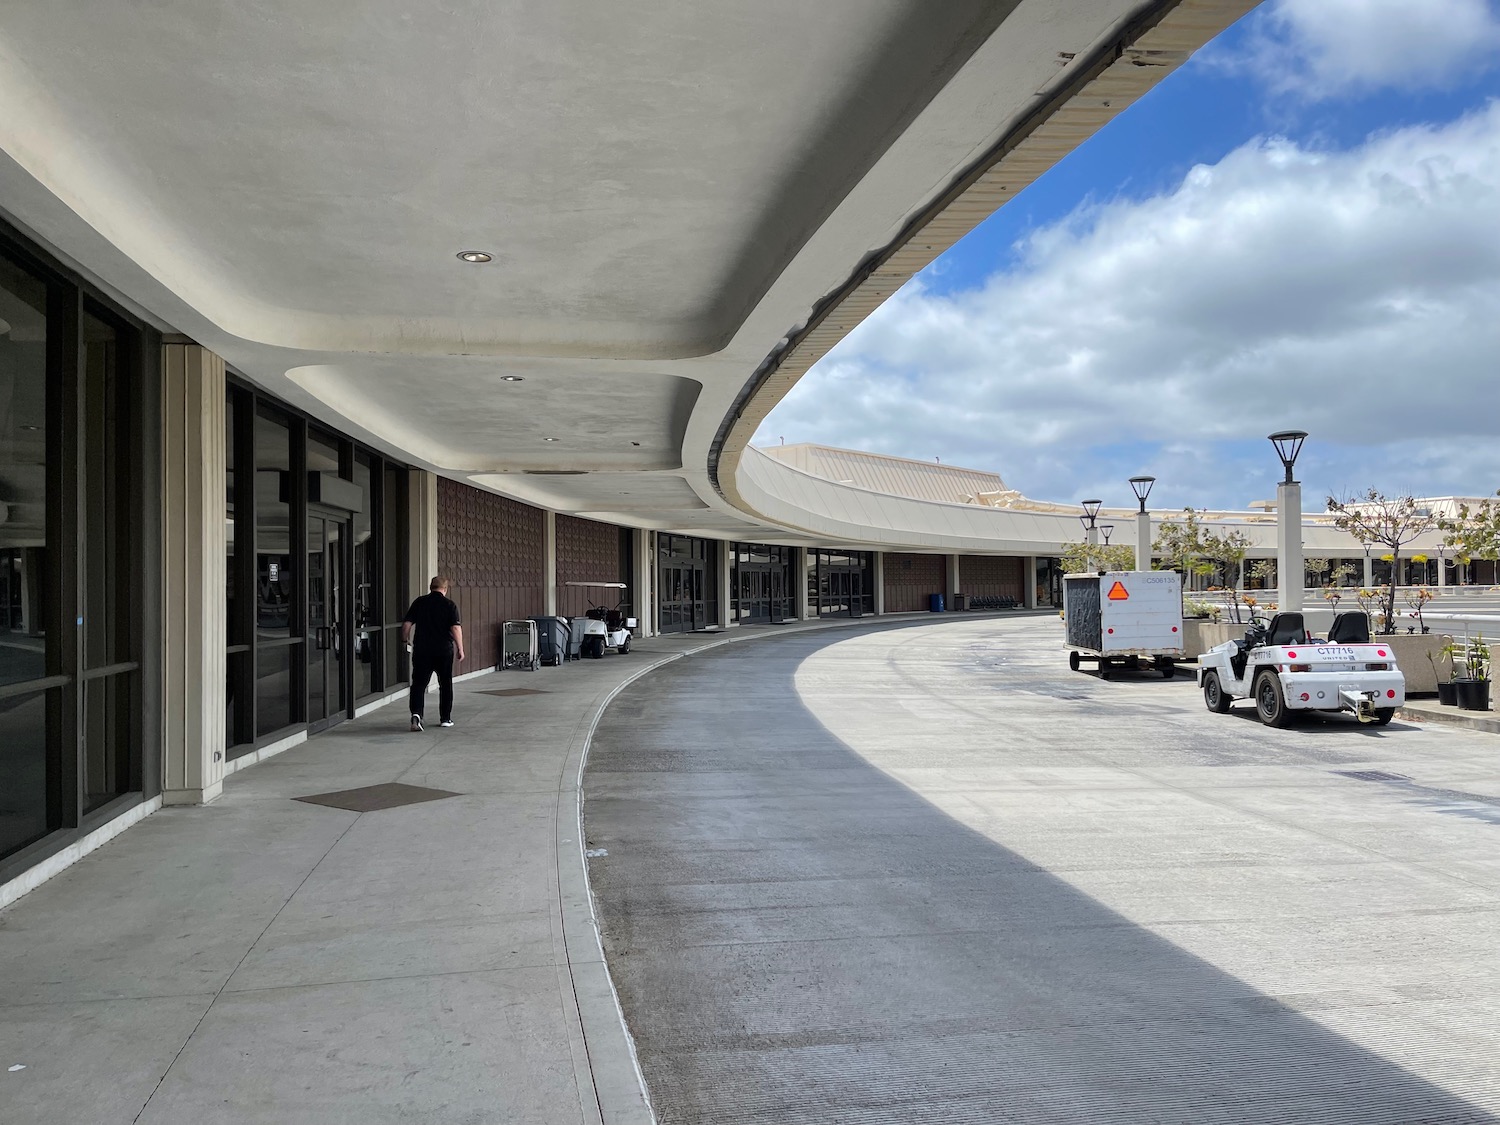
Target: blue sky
{"points": [[1297, 229]]}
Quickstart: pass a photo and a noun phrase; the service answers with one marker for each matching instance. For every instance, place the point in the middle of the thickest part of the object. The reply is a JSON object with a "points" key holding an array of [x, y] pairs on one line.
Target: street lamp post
{"points": [[1289, 567], [1442, 565], [1141, 486], [1369, 569], [1088, 519], [1107, 529]]}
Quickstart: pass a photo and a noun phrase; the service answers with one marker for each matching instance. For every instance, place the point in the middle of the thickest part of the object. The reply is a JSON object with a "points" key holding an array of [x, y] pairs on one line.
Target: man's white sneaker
{"points": [[446, 723], [416, 722]]}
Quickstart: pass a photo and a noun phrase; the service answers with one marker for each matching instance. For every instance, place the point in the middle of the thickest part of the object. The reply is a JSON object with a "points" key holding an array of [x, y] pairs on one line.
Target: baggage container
{"points": [[1125, 619], [551, 639]]}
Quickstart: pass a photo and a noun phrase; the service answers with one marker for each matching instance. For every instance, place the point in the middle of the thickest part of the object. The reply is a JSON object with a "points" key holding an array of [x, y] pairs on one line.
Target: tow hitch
{"points": [[1360, 702]]}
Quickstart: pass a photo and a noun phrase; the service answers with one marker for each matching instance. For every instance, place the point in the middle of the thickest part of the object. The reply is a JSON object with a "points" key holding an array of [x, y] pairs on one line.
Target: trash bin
{"points": [[575, 636], [960, 601], [935, 603], [552, 639]]}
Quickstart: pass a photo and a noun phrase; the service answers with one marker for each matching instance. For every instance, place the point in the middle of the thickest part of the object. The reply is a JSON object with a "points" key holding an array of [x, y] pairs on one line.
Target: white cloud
{"points": [[1353, 294], [1331, 48]]}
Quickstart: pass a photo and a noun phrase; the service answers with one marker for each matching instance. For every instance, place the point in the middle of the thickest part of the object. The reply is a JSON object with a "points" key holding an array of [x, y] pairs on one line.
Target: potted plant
{"points": [[1445, 659], [1473, 687]]}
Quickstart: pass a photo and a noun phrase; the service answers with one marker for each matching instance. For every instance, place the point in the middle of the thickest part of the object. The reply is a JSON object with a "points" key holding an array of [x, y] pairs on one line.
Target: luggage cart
{"points": [[518, 646]]}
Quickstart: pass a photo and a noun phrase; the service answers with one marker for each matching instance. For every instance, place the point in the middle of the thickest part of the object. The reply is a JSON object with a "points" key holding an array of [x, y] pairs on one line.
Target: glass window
{"points": [[23, 770], [106, 479], [24, 806], [322, 453], [106, 734], [367, 620], [275, 587], [23, 468], [231, 592], [273, 687], [393, 534]]}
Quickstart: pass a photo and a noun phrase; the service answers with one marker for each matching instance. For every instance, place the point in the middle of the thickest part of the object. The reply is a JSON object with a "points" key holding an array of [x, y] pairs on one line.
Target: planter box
{"points": [[1199, 635], [1411, 651]]}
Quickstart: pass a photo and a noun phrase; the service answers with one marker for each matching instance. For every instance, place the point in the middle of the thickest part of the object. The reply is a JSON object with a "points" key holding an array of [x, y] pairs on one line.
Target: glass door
{"points": [[326, 538]]}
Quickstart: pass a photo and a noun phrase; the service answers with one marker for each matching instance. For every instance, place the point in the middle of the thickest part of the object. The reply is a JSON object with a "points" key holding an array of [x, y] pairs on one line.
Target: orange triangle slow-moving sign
{"points": [[1118, 593]]}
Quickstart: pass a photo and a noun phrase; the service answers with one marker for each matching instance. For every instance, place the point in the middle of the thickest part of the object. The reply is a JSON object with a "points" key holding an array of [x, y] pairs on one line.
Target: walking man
{"points": [[438, 645]]}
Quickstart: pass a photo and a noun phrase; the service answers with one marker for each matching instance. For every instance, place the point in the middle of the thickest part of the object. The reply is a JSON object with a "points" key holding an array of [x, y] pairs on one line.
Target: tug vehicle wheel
{"points": [[1270, 703], [1384, 715], [1214, 697], [1073, 661]]}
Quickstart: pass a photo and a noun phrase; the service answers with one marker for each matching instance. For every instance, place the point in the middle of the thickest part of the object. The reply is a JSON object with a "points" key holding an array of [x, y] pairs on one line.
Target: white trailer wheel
{"points": [[1073, 661]]}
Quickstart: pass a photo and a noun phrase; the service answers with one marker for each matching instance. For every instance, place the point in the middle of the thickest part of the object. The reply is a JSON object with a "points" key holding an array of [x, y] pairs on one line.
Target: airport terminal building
{"points": [[276, 348]]}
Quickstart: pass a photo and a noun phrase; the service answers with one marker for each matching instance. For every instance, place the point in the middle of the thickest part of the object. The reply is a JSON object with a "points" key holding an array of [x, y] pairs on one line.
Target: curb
{"points": [[1472, 720]]}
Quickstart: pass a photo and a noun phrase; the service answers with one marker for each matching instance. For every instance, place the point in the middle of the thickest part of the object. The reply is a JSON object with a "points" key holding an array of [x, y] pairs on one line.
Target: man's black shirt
{"points": [[434, 615]]}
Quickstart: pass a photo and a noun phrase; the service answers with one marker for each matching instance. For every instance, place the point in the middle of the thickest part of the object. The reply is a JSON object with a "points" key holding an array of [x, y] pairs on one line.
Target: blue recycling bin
{"points": [[935, 603]]}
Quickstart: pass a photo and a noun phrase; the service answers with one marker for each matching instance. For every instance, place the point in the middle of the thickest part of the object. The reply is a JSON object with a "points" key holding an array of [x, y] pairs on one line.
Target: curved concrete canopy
{"points": [[686, 202]]}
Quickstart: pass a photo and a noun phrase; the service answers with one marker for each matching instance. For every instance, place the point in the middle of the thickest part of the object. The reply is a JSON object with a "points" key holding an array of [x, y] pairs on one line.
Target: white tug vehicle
{"points": [[1286, 670]]}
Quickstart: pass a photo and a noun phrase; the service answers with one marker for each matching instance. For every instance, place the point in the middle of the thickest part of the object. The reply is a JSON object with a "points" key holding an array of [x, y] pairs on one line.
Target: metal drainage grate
{"points": [[1372, 775], [372, 798], [505, 693]]}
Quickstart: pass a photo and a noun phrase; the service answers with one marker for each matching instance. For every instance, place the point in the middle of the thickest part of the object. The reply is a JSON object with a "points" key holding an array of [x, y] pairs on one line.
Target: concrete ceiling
{"points": [[675, 195]]}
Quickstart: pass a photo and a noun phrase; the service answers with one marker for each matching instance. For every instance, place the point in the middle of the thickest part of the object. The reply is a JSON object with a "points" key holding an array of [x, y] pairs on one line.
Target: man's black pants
{"points": [[423, 665]]}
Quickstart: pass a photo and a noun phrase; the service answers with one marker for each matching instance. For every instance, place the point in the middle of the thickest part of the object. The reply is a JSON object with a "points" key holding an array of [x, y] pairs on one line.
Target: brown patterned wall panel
{"points": [[587, 551], [911, 579], [991, 576], [491, 547]]}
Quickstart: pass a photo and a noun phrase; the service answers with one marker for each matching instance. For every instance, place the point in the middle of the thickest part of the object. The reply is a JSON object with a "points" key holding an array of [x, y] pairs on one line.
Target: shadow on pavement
{"points": [[797, 937]]}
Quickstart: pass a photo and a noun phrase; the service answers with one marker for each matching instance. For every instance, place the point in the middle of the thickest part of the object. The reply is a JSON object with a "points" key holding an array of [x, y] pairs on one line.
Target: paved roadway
{"points": [[926, 874]]}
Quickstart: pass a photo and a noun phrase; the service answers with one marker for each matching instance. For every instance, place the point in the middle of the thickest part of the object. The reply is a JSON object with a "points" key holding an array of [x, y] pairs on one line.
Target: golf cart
{"points": [[604, 630], [1286, 670]]}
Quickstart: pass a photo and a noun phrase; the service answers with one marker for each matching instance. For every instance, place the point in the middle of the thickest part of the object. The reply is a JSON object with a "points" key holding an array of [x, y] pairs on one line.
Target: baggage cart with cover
{"points": [[1124, 619]]}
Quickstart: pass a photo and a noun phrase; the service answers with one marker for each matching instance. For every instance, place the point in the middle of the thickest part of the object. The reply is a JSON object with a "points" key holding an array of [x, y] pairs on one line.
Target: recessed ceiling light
{"points": [[474, 256], [549, 439], [513, 378], [33, 429]]}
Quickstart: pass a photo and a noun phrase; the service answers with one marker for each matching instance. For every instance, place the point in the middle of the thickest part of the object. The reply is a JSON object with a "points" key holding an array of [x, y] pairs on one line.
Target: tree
{"points": [[1227, 552], [1474, 532], [1392, 521], [1317, 567], [1180, 545], [1083, 558]]}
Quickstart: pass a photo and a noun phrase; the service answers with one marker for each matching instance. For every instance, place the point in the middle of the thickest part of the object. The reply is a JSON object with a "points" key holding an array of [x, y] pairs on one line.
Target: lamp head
{"points": [[1141, 486], [1288, 444], [1106, 528], [1091, 510]]}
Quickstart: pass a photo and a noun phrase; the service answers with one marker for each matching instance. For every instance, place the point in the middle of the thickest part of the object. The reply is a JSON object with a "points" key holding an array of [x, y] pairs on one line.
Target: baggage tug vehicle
{"points": [[1286, 671]]}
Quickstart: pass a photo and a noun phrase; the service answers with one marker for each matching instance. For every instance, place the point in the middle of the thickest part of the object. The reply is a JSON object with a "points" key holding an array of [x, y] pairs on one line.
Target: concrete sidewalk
{"points": [[265, 959]]}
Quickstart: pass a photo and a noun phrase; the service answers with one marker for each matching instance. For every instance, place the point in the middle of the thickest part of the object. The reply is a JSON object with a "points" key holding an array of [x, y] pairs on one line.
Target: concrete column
{"points": [[643, 597], [725, 573], [549, 563], [879, 580], [422, 558], [1289, 568], [1093, 541], [804, 594], [953, 579], [1028, 581], [1143, 540], [1442, 568], [1369, 572], [194, 574]]}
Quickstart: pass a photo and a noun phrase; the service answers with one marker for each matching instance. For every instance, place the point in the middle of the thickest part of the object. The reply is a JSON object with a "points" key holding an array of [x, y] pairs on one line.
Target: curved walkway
{"points": [[264, 959], [929, 875]]}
